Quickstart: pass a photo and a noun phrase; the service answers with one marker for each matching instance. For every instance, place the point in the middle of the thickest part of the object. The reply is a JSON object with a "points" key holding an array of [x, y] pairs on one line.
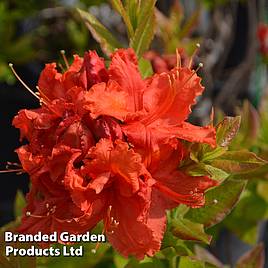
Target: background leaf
{"points": [[118, 6], [253, 258], [107, 41]]}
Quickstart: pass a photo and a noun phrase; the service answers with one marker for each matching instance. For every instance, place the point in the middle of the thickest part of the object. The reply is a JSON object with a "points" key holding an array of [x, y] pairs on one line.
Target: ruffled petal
{"points": [[93, 70], [192, 133], [170, 96], [104, 99], [30, 163], [183, 189], [141, 224], [120, 161], [124, 70], [57, 162], [70, 78], [50, 83]]}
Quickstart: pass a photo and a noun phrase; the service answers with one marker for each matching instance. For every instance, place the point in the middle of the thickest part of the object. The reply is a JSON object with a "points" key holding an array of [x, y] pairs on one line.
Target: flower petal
{"points": [[93, 70], [124, 70], [192, 133], [49, 82], [183, 189], [122, 162], [141, 224], [104, 99], [169, 96]]}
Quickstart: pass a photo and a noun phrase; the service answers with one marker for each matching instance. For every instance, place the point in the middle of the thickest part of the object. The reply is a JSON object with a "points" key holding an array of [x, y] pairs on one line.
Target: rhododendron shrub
{"points": [[107, 145]]}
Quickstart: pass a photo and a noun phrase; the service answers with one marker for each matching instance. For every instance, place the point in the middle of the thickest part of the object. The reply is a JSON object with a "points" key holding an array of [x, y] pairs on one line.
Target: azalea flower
{"points": [[166, 62], [106, 145]]}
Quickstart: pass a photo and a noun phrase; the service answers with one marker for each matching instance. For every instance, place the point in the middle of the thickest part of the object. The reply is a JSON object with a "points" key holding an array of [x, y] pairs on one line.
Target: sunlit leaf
{"points": [[118, 6], [107, 41], [145, 29], [187, 230], [219, 203], [187, 262], [216, 173], [227, 130], [262, 190], [238, 162], [132, 8], [145, 68]]}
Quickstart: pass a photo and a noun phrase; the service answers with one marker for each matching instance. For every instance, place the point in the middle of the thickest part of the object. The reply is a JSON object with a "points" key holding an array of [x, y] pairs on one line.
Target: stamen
{"points": [[22, 82], [193, 55], [42, 95], [29, 214], [61, 67], [109, 224], [13, 164], [17, 171], [62, 52], [200, 65], [178, 63], [50, 211], [212, 116]]}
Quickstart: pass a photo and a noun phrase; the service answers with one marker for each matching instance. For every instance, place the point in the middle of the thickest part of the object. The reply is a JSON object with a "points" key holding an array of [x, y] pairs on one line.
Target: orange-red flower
{"points": [[263, 38], [166, 62], [106, 145]]}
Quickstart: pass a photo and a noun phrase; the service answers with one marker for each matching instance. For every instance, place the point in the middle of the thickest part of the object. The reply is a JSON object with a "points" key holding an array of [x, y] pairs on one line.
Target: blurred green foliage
{"points": [[35, 31]]}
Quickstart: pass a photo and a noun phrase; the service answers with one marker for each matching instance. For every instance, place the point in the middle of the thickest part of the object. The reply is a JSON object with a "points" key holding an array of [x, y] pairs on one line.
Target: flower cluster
{"points": [[106, 145]]}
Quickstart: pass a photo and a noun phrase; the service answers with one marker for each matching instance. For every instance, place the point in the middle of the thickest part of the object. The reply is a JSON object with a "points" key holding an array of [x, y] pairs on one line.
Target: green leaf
{"points": [[187, 230], [145, 29], [132, 8], [219, 203], [191, 22], [212, 154], [262, 190], [187, 262], [216, 173], [254, 174], [172, 246], [248, 231], [252, 259], [238, 162], [120, 261], [20, 203], [145, 67], [118, 6], [227, 130], [107, 41]]}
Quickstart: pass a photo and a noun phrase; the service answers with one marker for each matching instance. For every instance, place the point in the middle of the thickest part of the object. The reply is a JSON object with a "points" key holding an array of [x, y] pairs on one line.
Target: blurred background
{"points": [[234, 51]]}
